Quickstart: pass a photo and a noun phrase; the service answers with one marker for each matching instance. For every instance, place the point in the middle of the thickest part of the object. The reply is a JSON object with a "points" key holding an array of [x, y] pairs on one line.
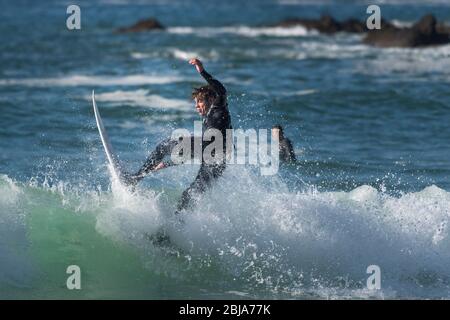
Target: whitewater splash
{"points": [[261, 240]]}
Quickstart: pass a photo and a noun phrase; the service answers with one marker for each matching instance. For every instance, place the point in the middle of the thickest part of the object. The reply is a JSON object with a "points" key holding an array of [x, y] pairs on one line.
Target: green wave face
{"points": [[51, 230], [58, 236]]}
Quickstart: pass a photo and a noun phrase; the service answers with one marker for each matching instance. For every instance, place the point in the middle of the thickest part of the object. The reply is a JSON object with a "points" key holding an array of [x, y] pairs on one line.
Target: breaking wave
{"points": [[260, 240]]}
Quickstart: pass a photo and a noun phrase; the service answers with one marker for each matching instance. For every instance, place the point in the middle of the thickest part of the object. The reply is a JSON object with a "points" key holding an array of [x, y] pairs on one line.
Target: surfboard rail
{"points": [[110, 155]]}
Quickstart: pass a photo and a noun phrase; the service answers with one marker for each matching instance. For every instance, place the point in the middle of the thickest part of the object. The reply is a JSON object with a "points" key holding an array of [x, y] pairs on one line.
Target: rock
{"points": [[353, 26], [426, 32], [142, 25], [423, 33], [290, 22], [326, 24], [442, 28], [426, 25]]}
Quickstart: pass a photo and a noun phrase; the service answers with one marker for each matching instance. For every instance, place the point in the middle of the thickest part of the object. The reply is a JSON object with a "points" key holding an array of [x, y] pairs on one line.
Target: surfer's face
{"points": [[201, 106], [276, 134]]}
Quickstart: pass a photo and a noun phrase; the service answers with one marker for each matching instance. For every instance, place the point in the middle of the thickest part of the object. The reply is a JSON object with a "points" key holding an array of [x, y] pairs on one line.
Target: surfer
{"points": [[285, 146], [211, 104]]}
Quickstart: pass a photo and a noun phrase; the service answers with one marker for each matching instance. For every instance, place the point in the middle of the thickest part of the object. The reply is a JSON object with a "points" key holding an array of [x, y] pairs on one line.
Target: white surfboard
{"points": [[112, 159]]}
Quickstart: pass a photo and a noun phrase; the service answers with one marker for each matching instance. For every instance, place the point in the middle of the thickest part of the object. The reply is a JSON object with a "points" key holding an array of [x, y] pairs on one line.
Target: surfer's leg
{"points": [[163, 149], [197, 187], [206, 175]]}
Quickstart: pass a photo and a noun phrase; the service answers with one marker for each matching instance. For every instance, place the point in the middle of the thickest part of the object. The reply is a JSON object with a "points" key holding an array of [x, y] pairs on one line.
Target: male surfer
{"points": [[211, 104], [285, 146]]}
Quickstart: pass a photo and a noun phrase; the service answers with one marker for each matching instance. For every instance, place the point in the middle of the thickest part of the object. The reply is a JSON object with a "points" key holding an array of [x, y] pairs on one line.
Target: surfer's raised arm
{"points": [[214, 83]]}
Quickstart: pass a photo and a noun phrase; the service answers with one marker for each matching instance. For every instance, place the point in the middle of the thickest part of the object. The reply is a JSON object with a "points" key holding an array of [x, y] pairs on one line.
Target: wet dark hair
{"points": [[279, 127], [206, 93]]}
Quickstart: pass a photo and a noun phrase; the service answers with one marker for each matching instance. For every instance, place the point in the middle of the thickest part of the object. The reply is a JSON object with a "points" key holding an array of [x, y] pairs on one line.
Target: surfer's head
{"points": [[204, 97]]}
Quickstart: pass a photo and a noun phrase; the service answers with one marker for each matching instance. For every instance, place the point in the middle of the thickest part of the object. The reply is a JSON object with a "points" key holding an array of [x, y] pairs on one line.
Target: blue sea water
{"points": [[369, 127]]}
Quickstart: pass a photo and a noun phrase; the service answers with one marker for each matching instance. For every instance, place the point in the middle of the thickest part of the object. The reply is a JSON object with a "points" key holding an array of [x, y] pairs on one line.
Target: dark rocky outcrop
{"points": [[142, 25], [426, 32], [442, 28], [423, 33], [327, 24], [353, 26]]}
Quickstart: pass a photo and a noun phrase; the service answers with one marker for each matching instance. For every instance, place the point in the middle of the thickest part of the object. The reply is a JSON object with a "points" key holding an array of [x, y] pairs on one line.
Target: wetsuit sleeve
{"points": [[291, 151], [217, 87]]}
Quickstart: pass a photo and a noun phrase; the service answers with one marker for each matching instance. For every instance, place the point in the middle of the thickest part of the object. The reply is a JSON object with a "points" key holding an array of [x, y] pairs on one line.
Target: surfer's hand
{"points": [[197, 63]]}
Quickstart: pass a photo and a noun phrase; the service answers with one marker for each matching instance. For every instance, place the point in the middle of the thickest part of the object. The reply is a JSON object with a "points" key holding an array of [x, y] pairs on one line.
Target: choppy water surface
{"points": [[369, 126]]}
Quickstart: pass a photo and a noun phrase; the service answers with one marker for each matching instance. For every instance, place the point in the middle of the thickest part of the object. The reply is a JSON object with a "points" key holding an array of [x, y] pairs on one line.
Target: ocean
{"points": [[370, 129]]}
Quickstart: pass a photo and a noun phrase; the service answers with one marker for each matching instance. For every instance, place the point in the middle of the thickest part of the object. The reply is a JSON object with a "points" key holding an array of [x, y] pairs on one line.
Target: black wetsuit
{"points": [[217, 117], [286, 150]]}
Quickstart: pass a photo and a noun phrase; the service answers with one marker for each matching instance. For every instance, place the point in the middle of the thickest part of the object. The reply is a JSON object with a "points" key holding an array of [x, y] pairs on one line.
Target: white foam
{"points": [[84, 80], [281, 48], [408, 62], [245, 31], [333, 50], [272, 235], [10, 191], [305, 92], [307, 50], [176, 53], [130, 215], [142, 55], [141, 98], [402, 24], [15, 268], [185, 55], [299, 243]]}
